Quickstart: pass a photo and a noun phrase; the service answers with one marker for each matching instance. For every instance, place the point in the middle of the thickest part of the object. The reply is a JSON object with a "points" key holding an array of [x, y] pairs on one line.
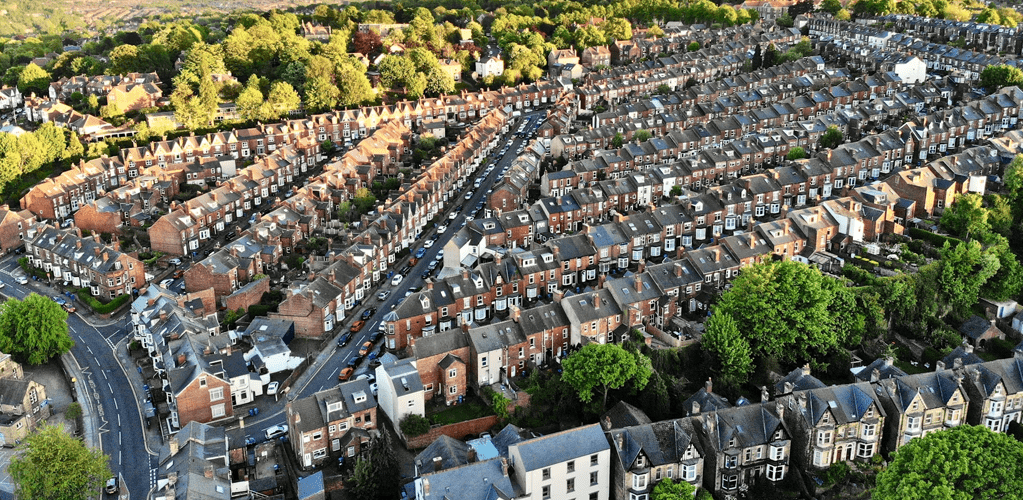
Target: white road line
{"points": [[104, 372], [118, 456], [118, 420], [118, 439], [90, 350], [115, 405], [110, 387]]}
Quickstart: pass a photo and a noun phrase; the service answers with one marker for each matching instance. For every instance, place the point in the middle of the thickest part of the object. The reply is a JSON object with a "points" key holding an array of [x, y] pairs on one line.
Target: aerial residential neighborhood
{"points": [[411, 251]]}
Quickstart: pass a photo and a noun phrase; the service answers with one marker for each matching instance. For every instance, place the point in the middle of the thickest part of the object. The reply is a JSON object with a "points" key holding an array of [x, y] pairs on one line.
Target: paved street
{"points": [[114, 400], [323, 373], [114, 387]]}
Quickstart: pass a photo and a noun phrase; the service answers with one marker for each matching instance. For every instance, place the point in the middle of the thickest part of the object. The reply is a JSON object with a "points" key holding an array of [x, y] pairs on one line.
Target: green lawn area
{"points": [[986, 356], [910, 369], [460, 413]]}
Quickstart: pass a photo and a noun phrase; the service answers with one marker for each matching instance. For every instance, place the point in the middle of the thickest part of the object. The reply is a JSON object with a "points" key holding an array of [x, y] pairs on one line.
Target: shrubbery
{"points": [[414, 425]]}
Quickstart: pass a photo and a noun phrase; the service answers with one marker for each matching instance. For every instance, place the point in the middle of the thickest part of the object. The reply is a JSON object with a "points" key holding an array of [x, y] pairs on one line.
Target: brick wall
{"points": [[198, 277], [247, 296], [457, 431], [99, 222], [194, 404], [301, 310], [164, 238]]}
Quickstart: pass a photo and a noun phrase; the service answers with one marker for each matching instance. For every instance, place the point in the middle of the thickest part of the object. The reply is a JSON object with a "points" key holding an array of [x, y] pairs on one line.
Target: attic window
{"points": [[359, 397], [332, 407]]}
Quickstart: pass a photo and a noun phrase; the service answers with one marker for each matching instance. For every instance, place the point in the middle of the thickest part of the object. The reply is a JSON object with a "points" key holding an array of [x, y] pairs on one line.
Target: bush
{"points": [[837, 472], [934, 239], [1000, 347], [414, 425], [98, 307], [498, 402], [73, 411]]}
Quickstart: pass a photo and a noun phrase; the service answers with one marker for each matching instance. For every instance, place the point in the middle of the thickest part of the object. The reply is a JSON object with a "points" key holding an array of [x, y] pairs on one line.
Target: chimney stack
{"points": [[173, 445], [438, 463], [678, 269], [596, 300], [607, 422], [764, 395], [516, 312], [709, 386], [638, 282]]}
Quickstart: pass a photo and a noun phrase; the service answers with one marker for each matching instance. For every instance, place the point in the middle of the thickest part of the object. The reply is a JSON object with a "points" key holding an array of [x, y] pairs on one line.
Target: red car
{"points": [[357, 326]]}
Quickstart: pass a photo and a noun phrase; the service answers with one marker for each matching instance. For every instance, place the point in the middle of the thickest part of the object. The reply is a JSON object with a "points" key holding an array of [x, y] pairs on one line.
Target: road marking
{"points": [[115, 405], [118, 439], [89, 349], [119, 456], [104, 372], [118, 420], [110, 387]]}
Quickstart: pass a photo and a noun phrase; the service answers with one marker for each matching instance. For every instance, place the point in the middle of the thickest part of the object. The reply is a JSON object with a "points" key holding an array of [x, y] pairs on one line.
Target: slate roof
{"points": [[485, 480], [661, 443], [884, 367], [800, 379], [557, 448], [624, 415], [451, 451], [708, 401], [975, 327]]}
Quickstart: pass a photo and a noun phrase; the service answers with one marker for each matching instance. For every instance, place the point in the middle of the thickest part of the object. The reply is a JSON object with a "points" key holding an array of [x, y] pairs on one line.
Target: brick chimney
{"points": [[557, 253], [709, 385], [429, 284], [558, 295], [78, 244], [181, 359], [106, 256], [97, 251], [596, 300], [116, 245], [497, 258], [641, 266], [173, 445], [516, 312], [637, 281]]}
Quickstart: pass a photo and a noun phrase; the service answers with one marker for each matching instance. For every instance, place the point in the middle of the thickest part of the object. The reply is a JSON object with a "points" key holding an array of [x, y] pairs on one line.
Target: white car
{"points": [[166, 283], [22, 280], [441, 228], [396, 280], [452, 215], [429, 243], [174, 262], [276, 430], [468, 195], [272, 388], [440, 254]]}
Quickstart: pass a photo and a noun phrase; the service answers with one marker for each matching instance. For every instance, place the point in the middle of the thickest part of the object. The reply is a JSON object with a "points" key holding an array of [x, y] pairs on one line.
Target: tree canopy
{"points": [[785, 309], [963, 463], [669, 489], [53, 465], [1001, 75], [376, 474], [831, 138], [33, 330], [604, 367]]}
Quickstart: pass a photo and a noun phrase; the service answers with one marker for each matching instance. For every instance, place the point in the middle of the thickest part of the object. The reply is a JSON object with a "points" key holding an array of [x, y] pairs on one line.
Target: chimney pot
{"points": [[709, 386]]}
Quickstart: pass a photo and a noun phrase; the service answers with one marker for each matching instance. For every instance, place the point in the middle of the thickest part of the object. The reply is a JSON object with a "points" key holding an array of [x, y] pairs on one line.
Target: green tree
{"points": [[1013, 184], [356, 89], [831, 6], [998, 76], [669, 489], [52, 465], [439, 82], [961, 272], [967, 216], [783, 309], [52, 141], [250, 100], [654, 32], [831, 138], [33, 330], [642, 135], [33, 152], [1007, 282], [617, 28], [320, 94], [282, 100], [999, 214], [617, 140], [693, 46], [730, 348], [33, 79], [604, 367], [676, 191], [74, 149], [964, 462], [796, 153], [395, 71], [843, 15], [377, 473]]}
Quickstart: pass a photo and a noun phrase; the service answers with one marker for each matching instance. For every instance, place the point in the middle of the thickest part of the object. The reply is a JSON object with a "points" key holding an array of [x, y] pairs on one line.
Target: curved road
{"points": [[114, 400]]}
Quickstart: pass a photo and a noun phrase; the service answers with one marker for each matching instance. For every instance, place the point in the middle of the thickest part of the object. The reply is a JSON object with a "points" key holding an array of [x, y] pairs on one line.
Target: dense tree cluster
{"points": [[51, 464], [33, 330], [963, 462]]}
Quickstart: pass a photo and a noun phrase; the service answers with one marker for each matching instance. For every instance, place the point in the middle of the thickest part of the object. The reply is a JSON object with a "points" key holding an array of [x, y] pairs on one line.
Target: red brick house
{"points": [[441, 361]]}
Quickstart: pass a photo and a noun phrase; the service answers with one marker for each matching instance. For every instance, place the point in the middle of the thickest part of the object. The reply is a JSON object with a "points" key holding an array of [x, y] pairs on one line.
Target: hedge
{"points": [[98, 307], [934, 239]]}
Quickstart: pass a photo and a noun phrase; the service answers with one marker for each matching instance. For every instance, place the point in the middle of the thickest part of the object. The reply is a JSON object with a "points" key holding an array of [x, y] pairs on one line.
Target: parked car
{"points": [[22, 280], [174, 262], [368, 312], [441, 228], [352, 363], [357, 326], [275, 431], [58, 299], [166, 283], [365, 348], [271, 389], [346, 373], [420, 253], [111, 487], [396, 280], [343, 339], [69, 308], [427, 243], [178, 274], [382, 296]]}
